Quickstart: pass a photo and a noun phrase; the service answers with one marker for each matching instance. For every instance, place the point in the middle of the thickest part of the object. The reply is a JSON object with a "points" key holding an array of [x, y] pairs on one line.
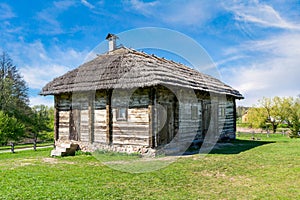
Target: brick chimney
{"points": [[112, 41]]}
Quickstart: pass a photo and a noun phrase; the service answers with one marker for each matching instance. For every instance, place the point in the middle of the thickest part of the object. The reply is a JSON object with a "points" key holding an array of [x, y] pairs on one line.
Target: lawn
{"points": [[264, 168]]}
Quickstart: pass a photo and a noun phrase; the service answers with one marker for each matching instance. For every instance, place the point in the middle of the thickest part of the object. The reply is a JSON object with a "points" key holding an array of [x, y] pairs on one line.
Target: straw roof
{"points": [[128, 68]]}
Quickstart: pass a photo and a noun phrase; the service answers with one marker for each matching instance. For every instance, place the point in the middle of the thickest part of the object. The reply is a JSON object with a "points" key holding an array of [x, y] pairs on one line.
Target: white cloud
{"points": [[273, 69], [193, 12], [6, 12], [87, 4], [39, 76], [260, 14], [63, 5], [143, 7], [39, 65]]}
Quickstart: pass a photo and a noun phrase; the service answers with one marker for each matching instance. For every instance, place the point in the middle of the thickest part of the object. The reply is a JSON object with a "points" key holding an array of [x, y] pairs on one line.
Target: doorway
{"points": [[206, 117], [74, 124]]}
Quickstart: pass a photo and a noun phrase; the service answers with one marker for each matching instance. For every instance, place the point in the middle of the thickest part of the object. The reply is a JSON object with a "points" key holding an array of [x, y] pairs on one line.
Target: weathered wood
{"points": [[137, 125], [72, 128], [166, 108], [84, 126], [131, 140], [91, 118], [151, 126], [206, 116], [144, 126], [100, 126], [109, 121], [234, 115], [56, 119], [64, 125]]}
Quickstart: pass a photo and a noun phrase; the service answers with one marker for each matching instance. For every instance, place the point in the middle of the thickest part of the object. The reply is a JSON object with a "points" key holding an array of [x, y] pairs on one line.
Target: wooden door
{"points": [[165, 121], [74, 124], [206, 117]]}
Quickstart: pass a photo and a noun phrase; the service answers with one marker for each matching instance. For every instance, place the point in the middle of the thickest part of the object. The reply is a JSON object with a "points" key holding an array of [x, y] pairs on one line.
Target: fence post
{"points": [[34, 144], [12, 147]]}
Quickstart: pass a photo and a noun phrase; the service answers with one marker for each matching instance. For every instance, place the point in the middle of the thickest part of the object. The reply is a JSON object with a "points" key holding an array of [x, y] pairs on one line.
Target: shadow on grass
{"points": [[233, 147]]}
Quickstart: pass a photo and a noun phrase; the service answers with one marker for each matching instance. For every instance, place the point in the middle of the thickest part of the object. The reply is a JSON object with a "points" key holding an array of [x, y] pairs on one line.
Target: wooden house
{"points": [[129, 101]]}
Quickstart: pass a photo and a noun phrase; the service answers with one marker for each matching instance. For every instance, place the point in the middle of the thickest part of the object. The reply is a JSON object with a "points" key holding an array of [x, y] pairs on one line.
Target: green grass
{"points": [[268, 168]]}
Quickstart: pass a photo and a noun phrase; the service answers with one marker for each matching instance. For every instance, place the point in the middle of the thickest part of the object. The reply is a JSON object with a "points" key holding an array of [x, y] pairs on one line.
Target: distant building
{"points": [[245, 117]]}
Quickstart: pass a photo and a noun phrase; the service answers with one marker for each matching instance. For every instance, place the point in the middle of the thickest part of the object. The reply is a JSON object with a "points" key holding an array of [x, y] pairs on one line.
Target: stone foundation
{"points": [[88, 147]]}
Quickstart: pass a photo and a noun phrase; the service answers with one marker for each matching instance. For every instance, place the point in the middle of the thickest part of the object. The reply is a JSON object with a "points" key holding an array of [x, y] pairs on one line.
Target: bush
{"points": [[243, 125], [10, 129], [295, 131]]}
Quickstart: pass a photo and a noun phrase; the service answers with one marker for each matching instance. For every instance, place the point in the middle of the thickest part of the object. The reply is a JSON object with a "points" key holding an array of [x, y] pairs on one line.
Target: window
{"points": [[121, 114], [222, 111], [194, 112]]}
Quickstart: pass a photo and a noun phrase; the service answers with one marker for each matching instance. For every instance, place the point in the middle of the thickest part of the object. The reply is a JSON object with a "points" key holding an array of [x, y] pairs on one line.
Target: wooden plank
{"points": [[109, 137], [84, 126], [56, 119], [131, 140], [234, 115], [151, 126], [127, 133], [91, 118], [64, 125]]}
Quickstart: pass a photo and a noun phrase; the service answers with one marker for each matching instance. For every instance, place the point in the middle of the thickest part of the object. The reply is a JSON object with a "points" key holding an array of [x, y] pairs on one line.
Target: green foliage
{"points": [[257, 117], [277, 112], [13, 97], [10, 129], [37, 121], [14, 94], [294, 118], [244, 125], [43, 121]]}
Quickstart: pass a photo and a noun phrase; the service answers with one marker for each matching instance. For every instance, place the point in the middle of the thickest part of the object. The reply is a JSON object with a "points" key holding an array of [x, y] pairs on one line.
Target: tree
{"points": [[43, 121], [13, 97], [269, 105], [257, 117], [10, 129], [14, 101], [294, 117], [276, 111]]}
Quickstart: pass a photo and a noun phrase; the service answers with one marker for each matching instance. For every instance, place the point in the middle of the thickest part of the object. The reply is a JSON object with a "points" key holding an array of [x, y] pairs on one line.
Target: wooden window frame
{"points": [[222, 111], [194, 112], [120, 118]]}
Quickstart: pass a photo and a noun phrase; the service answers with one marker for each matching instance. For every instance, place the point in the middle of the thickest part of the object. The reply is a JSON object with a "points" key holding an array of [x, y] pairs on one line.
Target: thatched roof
{"points": [[127, 68]]}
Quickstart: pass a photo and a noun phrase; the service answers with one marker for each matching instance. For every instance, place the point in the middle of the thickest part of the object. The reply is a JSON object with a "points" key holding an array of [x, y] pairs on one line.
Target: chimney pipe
{"points": [[112, 41]]}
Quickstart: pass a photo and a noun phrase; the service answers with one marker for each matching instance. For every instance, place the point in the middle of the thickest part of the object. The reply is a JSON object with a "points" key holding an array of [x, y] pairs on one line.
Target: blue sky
{"points": [[254, 44]]}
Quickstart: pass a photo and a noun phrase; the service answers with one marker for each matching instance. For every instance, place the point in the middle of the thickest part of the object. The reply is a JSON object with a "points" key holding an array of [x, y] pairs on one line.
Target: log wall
{"points": [[134, 131], [100, 117], [190, 117], [64, 125], [155, 117], [227, 119], [100, 126], [62, 105]]}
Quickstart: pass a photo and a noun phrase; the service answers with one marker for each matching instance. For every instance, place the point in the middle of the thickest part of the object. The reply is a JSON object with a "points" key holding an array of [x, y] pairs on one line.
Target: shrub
{"points": [[10, 129]]}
